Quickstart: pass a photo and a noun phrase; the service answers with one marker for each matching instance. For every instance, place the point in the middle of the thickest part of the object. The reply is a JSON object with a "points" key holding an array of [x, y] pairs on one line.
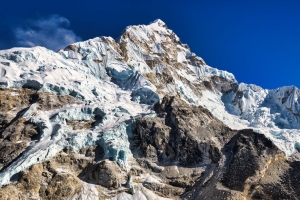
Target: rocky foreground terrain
{"points": [[141, 117]]}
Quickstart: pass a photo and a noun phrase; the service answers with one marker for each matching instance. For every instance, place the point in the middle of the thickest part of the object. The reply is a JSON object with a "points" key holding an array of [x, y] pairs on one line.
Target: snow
{"points": [[186, 92], [262, 110], [212, 101], [88, 192], [141, 193]]}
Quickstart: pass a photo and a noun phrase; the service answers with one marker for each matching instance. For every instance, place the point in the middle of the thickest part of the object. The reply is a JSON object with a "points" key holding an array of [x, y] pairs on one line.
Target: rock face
{"points": [[251, 155], [107, 174], [15, 140], [49, 180], [183, 134], [141, 117], [254, 169]]}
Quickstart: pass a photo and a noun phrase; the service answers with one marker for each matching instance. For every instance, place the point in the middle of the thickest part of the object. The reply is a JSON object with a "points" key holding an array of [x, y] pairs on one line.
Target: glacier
{"points": [[46, 70]]}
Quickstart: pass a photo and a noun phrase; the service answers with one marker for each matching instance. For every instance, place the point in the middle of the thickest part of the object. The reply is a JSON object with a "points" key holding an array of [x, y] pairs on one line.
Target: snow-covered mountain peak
{"points": [[92, 93], [158, 54], [158, 22]]}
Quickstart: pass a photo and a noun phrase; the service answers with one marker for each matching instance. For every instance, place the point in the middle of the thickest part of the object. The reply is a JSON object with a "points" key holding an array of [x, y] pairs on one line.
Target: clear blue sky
{"points": [[258, 40]]}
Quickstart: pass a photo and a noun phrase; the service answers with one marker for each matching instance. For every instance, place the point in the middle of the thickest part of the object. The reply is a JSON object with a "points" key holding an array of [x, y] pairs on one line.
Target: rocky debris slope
{"points": [[141, 117], [180, 144], [254, 169]]}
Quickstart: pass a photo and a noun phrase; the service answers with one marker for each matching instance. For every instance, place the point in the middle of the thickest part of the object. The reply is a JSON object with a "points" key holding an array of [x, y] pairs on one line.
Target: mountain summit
{"points": [[141, 117]]}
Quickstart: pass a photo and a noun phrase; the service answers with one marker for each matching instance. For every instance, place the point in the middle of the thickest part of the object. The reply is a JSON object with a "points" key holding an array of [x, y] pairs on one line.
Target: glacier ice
{"points": [[100, 99]]}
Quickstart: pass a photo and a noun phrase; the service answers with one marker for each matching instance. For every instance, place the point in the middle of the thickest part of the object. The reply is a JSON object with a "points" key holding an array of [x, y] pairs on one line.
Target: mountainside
{"points": [[141, 117]]}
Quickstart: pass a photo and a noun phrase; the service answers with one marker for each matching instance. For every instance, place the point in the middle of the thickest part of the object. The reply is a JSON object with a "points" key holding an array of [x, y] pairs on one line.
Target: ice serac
{"points": [[272, 112], [280, 104], [102, 58]]}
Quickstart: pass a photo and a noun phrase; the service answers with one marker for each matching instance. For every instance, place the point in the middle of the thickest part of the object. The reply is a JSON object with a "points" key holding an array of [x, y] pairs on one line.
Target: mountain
{"points": [[141, 117]]}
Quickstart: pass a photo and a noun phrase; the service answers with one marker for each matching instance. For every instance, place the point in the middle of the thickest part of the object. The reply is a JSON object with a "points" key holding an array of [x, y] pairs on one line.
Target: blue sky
{"points": [[258, 40]]}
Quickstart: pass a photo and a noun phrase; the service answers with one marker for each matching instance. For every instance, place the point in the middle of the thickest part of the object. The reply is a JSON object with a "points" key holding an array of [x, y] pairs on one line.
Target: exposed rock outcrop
{"points": [[107, 174], [181, 134], [55, 179]]}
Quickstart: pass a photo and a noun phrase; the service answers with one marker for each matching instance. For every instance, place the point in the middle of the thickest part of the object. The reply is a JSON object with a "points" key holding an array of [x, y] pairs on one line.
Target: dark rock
{"points": [[107, 174], [184, 134], [250, 153]]}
